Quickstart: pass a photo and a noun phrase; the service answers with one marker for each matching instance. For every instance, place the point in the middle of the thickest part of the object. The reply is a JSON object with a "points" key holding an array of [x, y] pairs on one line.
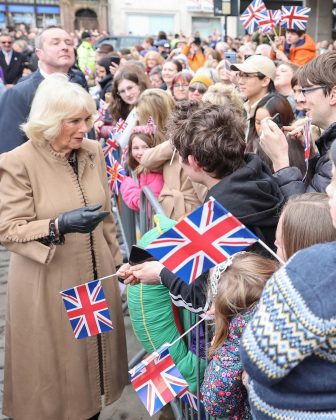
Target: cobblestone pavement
{"points": [[128, 407]]}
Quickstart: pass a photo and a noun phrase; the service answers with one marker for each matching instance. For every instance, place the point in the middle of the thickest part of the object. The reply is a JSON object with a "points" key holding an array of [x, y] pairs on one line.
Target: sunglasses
{"points": [[200, 90], [7, 42]]}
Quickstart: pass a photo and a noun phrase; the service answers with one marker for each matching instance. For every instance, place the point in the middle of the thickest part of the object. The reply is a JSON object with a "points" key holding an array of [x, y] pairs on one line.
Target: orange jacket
{"points": [[196, 60], [302, 54]]}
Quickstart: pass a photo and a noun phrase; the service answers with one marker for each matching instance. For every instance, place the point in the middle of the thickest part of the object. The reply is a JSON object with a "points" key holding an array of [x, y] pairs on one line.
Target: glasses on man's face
{"points": [[308, 89], [127, 90], [200, 90], [180, 86], [6, 42], [242, 75]]}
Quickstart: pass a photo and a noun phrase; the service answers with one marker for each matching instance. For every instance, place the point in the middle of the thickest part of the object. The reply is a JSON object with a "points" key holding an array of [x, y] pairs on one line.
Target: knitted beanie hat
{"points": [[200, 78], [333, 152]]}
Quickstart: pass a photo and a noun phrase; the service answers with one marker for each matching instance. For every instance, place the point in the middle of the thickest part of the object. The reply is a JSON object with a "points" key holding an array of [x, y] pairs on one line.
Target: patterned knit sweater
{"points": [[289, 347]]}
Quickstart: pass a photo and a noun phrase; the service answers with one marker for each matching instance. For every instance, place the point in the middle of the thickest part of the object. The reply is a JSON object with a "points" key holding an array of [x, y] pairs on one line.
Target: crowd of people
{"points": [[248, 121]]}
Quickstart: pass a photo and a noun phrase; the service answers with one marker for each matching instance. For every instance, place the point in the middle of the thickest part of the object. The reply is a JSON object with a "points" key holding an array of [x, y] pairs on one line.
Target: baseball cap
{"points": [[257, 64]]}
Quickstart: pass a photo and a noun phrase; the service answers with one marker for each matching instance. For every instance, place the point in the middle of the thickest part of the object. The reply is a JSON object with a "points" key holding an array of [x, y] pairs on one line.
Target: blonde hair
{"points": [[153, 54], [306, 221], [239, 288], [159, 105], [224, 95], [55, 100]]}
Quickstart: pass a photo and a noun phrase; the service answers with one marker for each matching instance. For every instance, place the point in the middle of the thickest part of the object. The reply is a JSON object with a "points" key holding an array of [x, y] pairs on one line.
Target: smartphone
{"points": [[115, 59], [231, 56], [277, 119]]}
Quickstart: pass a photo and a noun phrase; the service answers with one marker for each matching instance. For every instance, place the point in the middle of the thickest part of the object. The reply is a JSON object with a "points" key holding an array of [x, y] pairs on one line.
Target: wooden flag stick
{"points": [[271, 251], [107, 277], [269, 38], [191, 328], [172, 158]]}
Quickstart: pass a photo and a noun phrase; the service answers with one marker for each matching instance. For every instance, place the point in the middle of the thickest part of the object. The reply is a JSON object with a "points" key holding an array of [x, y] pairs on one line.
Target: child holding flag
{"points": [[236, 286], [211, 152]]}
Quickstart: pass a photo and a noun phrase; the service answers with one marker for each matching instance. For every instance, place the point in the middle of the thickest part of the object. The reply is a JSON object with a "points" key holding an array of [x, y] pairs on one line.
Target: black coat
{"points": [[290, 179], [15, 106], [13, 70]]}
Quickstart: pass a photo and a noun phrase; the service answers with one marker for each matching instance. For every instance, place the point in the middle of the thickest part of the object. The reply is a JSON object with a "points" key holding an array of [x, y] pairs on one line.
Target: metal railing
{"points": [[133, 225]]}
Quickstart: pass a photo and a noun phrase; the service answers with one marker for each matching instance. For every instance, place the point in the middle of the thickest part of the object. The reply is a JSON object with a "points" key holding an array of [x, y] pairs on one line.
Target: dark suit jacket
{"points": [[15, 106], [13, 71]]}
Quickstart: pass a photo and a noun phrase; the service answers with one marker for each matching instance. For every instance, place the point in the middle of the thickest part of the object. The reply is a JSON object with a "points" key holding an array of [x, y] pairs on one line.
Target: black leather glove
{"points": [[82, 220]]}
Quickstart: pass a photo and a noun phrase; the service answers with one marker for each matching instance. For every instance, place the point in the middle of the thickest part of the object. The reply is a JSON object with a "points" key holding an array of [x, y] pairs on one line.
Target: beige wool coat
{"points": [[179, 196], [50, 375]]}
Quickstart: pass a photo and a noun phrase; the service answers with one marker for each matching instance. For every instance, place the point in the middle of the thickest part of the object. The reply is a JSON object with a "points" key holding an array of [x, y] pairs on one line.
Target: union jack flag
{"points": [[101, 110], [206, 237], [252, 14], [124, 157], [115, 174], [306, 144], [270, 20], [87, 309], [294, 17], [188, 398], [157, 380], [111, 146], [120, 126]]}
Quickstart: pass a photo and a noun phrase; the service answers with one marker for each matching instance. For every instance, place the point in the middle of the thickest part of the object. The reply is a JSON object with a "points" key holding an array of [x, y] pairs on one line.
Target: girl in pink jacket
{"points": [[142, 138]]}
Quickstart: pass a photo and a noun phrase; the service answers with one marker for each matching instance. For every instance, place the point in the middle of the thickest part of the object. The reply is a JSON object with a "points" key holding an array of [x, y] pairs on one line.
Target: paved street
{"points": [[128, 407]]}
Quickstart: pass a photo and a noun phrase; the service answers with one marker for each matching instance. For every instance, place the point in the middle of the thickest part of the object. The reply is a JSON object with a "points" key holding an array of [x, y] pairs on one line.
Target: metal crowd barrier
{"points": [[133, 225]]}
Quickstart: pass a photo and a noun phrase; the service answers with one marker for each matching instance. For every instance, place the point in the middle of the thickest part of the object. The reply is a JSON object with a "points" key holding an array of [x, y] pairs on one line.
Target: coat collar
{"points": [[85, 155]]}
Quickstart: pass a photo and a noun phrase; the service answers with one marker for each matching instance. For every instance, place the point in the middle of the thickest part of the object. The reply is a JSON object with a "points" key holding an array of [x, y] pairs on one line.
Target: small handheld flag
{"points": [[188, 398], [111, 146], [269, 19], [115, 173], [306, 144], [157, 380], [87, 309], [120, 126], [294, 17], [206, 237], [251, 15]]}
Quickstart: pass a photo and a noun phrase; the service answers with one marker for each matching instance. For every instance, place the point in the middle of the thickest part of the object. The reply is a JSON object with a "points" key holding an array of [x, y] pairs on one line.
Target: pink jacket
{"points": [[130, 190]]}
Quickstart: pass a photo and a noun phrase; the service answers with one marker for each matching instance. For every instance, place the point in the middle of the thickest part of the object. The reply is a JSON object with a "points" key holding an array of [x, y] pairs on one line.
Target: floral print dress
{"points": [[224, 395]]}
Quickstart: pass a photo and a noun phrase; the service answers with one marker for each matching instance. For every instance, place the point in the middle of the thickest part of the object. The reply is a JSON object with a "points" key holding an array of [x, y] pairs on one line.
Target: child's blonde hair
{"points": [[239, 288]]}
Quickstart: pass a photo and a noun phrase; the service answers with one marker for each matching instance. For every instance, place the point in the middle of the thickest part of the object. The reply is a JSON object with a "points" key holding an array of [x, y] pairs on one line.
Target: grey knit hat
{"points": [[333, 152]]}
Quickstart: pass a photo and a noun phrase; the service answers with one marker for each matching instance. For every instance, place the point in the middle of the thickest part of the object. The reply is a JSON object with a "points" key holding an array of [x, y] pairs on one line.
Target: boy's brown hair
{"points": [[214, 136], [321, 71]]}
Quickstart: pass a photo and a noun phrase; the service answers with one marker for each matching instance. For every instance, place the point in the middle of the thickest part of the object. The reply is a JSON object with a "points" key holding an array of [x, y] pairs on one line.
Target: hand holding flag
{"points": [[208, 236]]}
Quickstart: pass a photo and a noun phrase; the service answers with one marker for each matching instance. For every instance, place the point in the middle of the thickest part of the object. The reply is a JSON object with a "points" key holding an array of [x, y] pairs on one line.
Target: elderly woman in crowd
{"points": [[55, 218], [198, 86]]}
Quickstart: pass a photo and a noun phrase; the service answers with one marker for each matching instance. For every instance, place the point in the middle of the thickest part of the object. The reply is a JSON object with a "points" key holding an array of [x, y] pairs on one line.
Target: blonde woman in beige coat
{"points": [[50, 189]]}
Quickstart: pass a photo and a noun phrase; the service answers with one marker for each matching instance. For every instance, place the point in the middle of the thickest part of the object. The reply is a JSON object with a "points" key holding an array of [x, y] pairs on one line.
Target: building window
{"points": [[149, 24], [205, 26]]}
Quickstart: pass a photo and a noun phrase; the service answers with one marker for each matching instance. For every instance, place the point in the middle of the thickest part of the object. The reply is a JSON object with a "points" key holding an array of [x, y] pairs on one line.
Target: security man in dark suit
{"points": [[55, 51], [10, 60]]}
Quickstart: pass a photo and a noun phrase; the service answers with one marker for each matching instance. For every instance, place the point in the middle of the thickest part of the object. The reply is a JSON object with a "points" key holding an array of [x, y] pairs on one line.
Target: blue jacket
{"points": [[289, 347]]}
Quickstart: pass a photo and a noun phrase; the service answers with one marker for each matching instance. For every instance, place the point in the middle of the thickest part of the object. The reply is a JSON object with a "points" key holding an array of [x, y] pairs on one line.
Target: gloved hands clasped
{"points": [[82, 220]]}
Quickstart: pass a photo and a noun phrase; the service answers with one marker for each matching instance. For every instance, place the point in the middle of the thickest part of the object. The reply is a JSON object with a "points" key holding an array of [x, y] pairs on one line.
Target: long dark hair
{"points": [[118, 108]]}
